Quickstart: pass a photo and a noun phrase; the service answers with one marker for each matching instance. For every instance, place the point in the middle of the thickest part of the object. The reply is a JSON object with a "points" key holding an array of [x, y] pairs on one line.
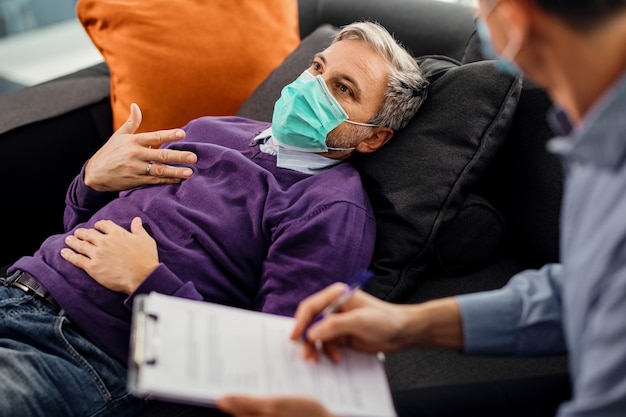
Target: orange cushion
{"points": [[180, 60]]}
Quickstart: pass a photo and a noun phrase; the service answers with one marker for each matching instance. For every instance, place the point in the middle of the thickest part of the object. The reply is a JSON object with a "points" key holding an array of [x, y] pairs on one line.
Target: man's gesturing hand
{"points": [[130, 159]]}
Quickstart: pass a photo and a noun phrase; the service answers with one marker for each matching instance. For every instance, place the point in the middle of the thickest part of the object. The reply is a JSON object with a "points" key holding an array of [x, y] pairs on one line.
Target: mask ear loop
{"points": [[354, 123], [328, 148], [360, 124]]}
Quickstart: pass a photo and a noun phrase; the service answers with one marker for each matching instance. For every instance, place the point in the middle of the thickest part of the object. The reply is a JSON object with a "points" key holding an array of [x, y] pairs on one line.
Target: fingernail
{"points": [[179, 133], [318, 345]]}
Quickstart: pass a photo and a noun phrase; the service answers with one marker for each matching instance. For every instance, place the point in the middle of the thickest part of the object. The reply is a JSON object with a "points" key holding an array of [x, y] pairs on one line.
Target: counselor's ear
{"points": [[376, 140], [513, 26]]}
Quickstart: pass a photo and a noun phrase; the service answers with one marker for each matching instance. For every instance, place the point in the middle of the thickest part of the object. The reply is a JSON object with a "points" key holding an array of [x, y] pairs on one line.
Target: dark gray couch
{"points": [[503, 220]]}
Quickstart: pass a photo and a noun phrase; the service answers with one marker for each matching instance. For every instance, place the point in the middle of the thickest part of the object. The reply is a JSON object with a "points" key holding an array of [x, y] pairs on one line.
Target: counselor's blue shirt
{"points": [[579, 305]]}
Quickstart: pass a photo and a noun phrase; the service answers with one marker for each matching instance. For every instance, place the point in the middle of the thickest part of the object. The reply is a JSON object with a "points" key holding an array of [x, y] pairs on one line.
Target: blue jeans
{"points": [[48, 368]]}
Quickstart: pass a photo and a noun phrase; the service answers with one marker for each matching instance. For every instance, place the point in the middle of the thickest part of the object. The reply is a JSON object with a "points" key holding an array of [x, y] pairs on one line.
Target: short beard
{"points": [[347, 138]]}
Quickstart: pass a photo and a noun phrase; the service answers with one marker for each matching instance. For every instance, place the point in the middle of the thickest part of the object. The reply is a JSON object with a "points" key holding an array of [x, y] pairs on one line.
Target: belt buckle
{"points": [[21, 286], [31, 286]]}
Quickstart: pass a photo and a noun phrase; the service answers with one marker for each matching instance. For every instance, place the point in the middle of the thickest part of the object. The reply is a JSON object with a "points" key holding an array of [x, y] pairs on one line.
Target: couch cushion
{"points": [[421, 178], [183, 60], [527, 181]]}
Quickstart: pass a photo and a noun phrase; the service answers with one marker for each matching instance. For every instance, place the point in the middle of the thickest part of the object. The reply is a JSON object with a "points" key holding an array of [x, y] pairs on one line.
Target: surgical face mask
{"points": [[305, 113], [503, 62]]}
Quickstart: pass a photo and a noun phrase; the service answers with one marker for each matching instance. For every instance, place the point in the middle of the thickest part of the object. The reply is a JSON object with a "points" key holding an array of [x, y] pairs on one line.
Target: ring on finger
{"points": [[148, 168]]}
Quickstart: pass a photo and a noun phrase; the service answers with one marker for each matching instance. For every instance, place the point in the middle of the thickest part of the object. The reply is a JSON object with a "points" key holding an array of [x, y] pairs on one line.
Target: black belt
{"points": [[29, 285]]}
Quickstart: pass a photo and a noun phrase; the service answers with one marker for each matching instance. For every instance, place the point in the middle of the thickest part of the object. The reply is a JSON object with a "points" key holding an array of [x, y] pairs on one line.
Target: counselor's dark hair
{"points": [[582, 14]]}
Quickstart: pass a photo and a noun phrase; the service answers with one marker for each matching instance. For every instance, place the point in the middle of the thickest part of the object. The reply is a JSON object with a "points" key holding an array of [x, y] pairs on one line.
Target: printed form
{"points": [[195, 352]]}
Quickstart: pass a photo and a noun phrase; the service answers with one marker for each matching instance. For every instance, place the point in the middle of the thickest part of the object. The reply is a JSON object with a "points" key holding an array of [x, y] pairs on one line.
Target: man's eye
{"points": [[345, 89], [316, 66]]}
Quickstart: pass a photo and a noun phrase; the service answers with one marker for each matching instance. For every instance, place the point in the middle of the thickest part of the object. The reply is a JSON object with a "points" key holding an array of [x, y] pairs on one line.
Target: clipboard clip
{"points": [[144, 338]]}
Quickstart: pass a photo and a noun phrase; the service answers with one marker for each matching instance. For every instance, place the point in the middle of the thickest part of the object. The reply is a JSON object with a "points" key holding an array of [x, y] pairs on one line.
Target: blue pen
{"points": [[357, 281]]}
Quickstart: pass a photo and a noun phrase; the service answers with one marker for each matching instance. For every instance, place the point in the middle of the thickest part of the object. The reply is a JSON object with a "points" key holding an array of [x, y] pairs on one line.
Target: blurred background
{"points": [[18, 16], [42, 39]]}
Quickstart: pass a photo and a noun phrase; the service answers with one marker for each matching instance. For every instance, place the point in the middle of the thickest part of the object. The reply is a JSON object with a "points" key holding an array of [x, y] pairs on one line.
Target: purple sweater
{"points": [[240, 232]]}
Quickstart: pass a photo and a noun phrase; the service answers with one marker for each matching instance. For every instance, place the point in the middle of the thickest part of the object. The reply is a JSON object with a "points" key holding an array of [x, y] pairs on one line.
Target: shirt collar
{"points": [[601, 137], [305, 162]]}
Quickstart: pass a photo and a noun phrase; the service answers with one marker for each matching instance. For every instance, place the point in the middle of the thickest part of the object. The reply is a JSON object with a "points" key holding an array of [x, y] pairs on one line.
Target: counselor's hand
{"points": [[118, 259], [369, 324], [130, 159], [363, 322], [282, 406]]}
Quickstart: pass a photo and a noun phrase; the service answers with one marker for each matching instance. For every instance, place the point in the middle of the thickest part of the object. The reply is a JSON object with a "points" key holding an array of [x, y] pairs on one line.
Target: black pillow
{"points": [[422, 177], [473, 50], [472, 239]]}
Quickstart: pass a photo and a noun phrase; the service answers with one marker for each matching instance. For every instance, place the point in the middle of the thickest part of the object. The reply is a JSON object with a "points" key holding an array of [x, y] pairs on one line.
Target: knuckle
{"points": [[157, 171], [134, 153], [161, 155]]}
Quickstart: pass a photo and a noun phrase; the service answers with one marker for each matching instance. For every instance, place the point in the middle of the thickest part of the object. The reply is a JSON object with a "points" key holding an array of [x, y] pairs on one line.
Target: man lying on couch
{"points": [[255, 216]]}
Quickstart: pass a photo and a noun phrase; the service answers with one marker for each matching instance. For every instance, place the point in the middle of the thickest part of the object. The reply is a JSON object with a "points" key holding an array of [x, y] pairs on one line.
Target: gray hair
{"points": [[406, 88]]}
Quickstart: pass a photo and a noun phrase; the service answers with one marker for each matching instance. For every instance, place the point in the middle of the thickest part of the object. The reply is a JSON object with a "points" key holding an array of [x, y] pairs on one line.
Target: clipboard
{"points": [[194, 352]]}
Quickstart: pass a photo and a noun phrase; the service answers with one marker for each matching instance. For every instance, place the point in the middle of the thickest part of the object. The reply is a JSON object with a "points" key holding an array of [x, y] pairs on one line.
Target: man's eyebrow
{"points": [[320, 56]]}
